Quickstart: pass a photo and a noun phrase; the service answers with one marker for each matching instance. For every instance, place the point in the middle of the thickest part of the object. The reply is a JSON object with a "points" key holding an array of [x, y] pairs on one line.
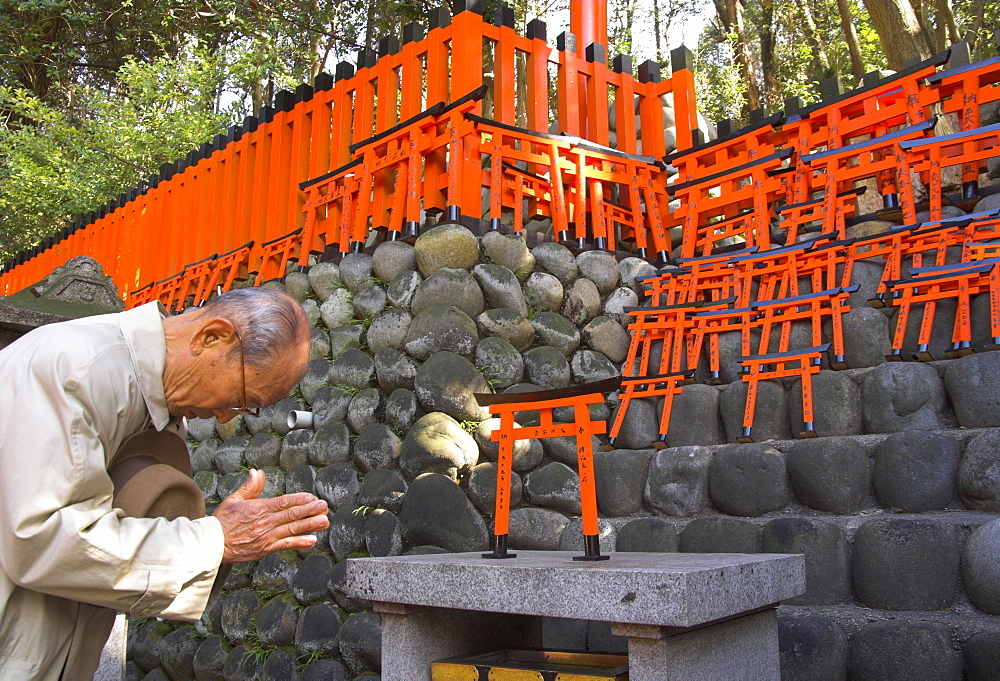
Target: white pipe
{"points": [[300, 419]]}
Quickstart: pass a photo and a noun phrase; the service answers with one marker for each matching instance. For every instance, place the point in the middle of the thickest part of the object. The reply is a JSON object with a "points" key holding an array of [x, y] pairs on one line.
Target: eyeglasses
{"points": [[244, 409]]}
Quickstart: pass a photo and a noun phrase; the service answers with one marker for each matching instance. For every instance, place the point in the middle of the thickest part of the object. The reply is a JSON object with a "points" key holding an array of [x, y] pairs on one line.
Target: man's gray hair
{"points": [[267, 320]]}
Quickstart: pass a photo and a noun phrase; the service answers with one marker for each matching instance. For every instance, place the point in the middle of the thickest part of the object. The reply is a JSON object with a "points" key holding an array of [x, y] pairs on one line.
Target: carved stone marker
{"points": [[77, 289], [697, 617]]}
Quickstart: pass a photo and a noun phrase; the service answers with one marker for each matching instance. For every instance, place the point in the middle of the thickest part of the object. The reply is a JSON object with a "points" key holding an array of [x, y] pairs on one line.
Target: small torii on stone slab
{"points": [[579, 397]]}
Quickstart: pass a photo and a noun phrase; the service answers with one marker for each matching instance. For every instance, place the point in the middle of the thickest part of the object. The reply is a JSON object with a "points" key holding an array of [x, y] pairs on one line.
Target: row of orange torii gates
{"points": [[423, 129]]}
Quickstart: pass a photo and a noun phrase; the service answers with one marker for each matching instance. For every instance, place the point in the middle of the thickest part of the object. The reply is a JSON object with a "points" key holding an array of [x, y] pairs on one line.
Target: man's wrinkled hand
{"points": [[255, 527]]}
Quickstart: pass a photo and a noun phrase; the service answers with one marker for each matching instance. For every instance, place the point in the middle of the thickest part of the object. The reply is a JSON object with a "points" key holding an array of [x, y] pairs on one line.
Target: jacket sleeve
{"points": [[59, 534]]}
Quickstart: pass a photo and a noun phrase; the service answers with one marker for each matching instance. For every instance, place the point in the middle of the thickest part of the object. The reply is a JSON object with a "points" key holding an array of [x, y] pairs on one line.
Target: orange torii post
{"points": [[579, 397], [928, 285], [226, 269], [802, 363]]}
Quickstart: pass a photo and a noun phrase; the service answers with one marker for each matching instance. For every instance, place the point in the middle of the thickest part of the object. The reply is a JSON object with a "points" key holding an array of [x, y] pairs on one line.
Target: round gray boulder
{"points": [[555, 330], [601, 268], [607, 337], [436, 511], [482, 488], [394, 369], [500, 287], [402, 409], [360, 643], [812, 648], [830, 474], [906, 564], [441, 327], [388, 330], [448, 382], [500, 362], [747, 480], [915, 651], [368, 406], [557, 260], [620, 478], [867, 337], [383, 534], [828, 570], [383, 488], [338, 308], [836, 405], [677, 484], [547, 367], [535, 529], [353, 369], [368, 302], [392, 258], [981, 569], [916, 471], [617, 301], [899, 396], [402, 289], [356, 271], [509, 250], [589, 366], [449, 286], [556, 486], [648, 535], [324, 279], [582, 302], [338, 485], [503, 322], [973, 384], [694, 417], [630, 268], [377, 446], [719, 534], [543, 291], [979, 472], [770, 419]]}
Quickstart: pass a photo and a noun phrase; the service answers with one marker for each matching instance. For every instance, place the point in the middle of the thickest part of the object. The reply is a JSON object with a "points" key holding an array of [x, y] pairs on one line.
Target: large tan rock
{"points": [[447, 245]]}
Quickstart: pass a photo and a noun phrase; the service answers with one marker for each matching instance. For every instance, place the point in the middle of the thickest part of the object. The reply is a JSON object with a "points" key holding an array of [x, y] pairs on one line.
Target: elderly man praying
{"points": [[86, 408]]}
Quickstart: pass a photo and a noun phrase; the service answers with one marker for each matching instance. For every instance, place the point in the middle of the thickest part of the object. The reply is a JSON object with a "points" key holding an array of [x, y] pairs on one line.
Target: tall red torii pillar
{"points": [[588, 21]]}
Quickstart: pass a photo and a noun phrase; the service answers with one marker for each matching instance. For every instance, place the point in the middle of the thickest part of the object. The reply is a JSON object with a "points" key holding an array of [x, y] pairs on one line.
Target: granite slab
{"points": [[659, 589]]}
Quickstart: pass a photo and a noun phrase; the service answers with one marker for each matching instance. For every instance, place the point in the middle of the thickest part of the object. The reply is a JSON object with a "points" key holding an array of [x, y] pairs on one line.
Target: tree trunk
{"points": [[972, 34], [772, 95], [820, 65], [733, 20], [656, 30], [898, 30], [315, 50], [934, 40], [851, 38], [946, 17]]}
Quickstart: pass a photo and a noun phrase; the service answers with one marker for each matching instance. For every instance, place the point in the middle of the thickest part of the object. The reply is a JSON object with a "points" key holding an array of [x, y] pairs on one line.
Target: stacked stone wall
{"points": [[894, 505]]}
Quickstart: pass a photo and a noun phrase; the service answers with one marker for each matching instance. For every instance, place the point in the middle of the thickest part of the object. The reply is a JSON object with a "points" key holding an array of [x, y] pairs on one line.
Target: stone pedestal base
{"points": [[413, 637], [740, 649]]}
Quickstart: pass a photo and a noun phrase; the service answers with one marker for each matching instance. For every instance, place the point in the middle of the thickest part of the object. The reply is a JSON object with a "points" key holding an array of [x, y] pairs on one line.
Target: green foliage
{"points": [[53, 165]]}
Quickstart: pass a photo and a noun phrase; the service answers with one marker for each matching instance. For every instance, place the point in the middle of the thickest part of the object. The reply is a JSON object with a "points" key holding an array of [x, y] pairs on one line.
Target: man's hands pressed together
{"points": [[255, 527]]}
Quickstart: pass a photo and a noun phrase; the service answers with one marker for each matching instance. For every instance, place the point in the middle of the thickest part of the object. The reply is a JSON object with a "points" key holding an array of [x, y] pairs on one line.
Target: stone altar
{"points": [[686, 615]]}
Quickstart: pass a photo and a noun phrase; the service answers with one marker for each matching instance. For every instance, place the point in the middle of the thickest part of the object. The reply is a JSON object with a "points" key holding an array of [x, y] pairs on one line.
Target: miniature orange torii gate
{"points": [[579, 397]]}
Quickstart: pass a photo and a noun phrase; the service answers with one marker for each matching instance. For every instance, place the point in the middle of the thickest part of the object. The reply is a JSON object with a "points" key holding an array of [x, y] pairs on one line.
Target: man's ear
{"points": [[211, 333]]}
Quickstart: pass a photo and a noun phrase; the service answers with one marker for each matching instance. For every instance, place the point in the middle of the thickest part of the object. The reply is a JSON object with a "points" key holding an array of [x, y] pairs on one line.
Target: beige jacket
{"points": [[70, 395]]}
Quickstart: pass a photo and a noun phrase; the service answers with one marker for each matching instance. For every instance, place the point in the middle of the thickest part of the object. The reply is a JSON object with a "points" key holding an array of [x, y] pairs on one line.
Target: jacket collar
{"points": [[143, 332]]}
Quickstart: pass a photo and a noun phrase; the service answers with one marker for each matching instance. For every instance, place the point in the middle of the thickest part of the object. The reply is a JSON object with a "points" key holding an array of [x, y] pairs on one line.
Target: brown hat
{"points": [[151, 473]]}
